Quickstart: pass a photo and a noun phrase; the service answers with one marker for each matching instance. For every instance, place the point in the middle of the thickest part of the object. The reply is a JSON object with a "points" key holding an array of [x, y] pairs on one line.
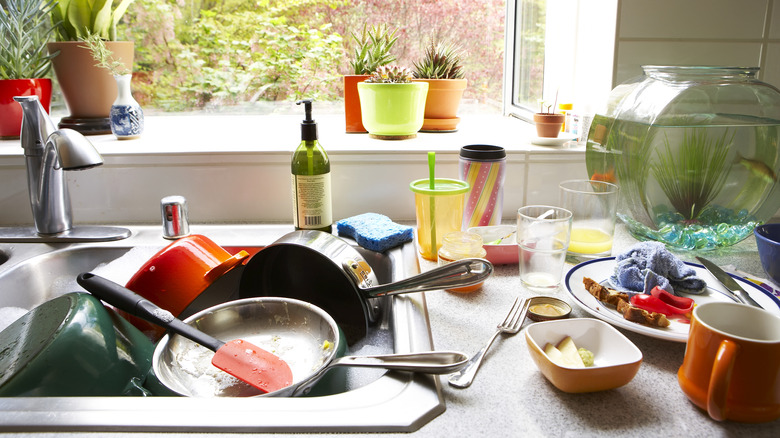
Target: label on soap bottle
{"points": [[311, 201]]}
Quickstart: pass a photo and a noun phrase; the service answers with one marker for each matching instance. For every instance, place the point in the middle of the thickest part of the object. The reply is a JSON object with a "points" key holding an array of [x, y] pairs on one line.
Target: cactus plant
{"points": [[440, 61], [390, 74], [373, 49]]}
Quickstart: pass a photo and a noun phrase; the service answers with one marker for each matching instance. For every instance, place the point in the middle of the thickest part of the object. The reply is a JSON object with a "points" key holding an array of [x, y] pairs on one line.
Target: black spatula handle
{"points": [[124, 299]]}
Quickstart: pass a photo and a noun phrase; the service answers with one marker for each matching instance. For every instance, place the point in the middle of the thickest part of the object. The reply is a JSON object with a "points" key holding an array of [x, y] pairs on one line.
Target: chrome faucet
{"points": [[48, 154]]}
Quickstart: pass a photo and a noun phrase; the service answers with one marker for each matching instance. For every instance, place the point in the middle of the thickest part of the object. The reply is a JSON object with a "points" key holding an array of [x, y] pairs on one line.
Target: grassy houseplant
{"points": [[392, 105], [372, 50], [440, 67], [89, 90], [25, 28]]}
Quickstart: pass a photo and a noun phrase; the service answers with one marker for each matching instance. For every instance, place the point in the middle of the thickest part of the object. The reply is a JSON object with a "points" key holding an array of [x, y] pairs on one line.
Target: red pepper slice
{"points": [[680, 304], [661, 301]]}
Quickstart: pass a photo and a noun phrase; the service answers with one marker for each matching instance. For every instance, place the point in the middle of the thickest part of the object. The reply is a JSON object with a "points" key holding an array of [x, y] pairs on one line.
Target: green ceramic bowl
{"points": [[73, 346]]}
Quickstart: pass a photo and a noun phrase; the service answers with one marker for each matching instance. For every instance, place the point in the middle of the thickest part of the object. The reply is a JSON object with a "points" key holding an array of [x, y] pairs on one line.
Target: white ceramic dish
{"points": [[550, 141], [601, 269], [505, 253], [616, 358]]}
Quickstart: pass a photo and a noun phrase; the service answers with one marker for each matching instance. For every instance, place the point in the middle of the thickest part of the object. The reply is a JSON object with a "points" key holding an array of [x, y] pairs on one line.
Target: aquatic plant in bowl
{"points": [[695, 151]]}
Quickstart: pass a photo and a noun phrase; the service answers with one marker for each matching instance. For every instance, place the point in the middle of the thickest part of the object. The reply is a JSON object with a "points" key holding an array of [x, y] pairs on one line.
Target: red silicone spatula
{"points": [[241, 359]]}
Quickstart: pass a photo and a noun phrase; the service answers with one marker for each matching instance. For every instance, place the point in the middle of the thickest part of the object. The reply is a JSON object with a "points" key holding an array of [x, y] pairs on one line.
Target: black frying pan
{"points": [[328, 272]]}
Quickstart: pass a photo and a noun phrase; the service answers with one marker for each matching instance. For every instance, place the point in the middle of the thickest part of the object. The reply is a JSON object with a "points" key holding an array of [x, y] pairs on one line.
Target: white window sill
{"points": [[199, 134]]}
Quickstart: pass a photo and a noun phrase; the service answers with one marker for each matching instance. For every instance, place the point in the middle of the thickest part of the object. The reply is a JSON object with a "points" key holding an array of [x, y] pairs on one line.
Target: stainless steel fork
{"points": [[511, 325]]}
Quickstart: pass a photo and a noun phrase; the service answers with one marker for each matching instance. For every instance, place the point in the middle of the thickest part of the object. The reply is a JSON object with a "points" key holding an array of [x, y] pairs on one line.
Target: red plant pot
{"points": [[11, 111]]}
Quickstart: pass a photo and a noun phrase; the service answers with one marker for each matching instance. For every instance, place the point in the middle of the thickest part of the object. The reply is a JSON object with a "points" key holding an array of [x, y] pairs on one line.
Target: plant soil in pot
{"points": [[548, 124]]}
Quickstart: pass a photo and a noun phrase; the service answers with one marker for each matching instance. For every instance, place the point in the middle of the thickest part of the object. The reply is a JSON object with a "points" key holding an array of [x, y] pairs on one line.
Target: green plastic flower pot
{"points": [[393, 111]]}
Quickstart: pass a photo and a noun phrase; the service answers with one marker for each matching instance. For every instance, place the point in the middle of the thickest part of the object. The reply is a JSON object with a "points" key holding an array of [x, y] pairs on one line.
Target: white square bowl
{"points": [[616, 358]]}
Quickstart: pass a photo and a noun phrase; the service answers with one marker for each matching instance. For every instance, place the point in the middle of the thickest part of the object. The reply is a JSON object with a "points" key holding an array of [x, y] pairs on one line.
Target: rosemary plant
{"points": [[693, 176], [25, 28], [103, 56], [373, 49]]}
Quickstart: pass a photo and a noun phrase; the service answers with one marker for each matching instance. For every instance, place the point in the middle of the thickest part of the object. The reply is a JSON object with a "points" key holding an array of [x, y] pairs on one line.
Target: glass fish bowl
{"points": [[694, 150]]}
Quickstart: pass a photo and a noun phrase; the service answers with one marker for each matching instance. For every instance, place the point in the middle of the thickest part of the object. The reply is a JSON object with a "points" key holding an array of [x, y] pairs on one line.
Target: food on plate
{"points": [[587, 356], [566, 354], [661, 301], [622, 303]]}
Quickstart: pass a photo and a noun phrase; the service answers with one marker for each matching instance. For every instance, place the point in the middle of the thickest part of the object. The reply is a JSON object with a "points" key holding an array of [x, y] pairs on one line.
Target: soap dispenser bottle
{"points": [[311, 179]]}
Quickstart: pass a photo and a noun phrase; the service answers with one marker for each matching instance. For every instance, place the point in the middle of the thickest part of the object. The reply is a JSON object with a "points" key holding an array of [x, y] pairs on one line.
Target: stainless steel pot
{"points": [[328, 272]]}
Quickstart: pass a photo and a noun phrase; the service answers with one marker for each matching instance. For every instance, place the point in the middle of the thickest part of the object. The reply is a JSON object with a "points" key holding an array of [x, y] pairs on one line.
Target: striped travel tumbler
{"points": [[482, 167]]}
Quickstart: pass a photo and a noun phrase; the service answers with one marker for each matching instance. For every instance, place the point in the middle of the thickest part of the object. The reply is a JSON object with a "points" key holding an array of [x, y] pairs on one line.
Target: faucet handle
{"points": [[174, 217]]}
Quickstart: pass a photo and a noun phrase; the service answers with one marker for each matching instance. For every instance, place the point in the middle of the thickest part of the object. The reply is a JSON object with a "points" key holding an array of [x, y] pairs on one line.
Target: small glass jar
{"points": [[461, 245]]}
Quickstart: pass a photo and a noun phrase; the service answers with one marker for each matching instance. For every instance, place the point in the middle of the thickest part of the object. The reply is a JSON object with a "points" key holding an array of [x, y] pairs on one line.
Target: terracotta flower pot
{"points": [[548, 125], [88, 90], [442, 103], [11, 111], [393, 111], [354, 121]]}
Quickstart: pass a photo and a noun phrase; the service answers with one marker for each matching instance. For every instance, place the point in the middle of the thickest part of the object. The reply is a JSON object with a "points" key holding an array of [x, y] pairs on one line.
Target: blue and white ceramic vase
{"points": [[127, 118]]}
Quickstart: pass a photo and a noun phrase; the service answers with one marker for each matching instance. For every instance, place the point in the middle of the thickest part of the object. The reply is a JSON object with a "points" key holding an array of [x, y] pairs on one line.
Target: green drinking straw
{"points": [[432, 186]]}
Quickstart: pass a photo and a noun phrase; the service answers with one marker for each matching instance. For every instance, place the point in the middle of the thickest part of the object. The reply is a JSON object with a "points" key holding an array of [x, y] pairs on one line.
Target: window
{"points": [[558, 51], [245, 55]]}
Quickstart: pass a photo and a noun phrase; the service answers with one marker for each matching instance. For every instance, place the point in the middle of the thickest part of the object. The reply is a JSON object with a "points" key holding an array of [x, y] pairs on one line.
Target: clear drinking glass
{"points": [[543, 233], [593, 205]]}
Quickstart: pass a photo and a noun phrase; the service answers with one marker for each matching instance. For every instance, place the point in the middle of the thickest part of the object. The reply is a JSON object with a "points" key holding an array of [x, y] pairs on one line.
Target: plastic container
{"points": [[483, 167], [694, 151], [439, 211], [461, 245]]}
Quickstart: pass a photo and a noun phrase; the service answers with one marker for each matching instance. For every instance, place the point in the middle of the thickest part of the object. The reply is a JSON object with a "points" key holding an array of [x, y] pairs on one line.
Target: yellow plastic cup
{"points": [[439, 211]]}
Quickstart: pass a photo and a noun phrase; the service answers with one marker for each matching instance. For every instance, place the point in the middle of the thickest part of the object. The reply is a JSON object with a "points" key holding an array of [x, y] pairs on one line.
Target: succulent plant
{"points": [[25, 28], [390, 74], [440, 61], [81, 18], [373, 49]]}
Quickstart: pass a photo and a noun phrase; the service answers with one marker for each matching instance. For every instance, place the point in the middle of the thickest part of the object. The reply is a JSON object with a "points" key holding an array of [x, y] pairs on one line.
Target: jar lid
{"points": [[482, 152]]}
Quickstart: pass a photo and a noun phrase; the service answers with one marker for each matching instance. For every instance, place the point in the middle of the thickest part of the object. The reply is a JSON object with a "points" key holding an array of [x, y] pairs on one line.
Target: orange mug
{"points": [[731, 367]]}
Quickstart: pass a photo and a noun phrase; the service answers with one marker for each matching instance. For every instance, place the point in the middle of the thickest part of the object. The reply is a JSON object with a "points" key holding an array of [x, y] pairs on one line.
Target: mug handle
{"points": [[720, 379]]}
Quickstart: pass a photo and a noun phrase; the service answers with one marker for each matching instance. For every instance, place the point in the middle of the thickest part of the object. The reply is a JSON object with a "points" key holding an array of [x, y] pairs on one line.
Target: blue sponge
{"points": [[374, 231]]}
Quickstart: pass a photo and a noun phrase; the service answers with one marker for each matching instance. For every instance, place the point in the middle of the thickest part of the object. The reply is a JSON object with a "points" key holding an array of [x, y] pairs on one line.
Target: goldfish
{"points": [[758, 168], [608, 176]]}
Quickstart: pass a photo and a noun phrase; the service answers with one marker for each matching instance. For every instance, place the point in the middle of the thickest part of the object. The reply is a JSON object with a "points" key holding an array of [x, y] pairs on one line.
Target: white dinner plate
{"points": [[601, 269]]}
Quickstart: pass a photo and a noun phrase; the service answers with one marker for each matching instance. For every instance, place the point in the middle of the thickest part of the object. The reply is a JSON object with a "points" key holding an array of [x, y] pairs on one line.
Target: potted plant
{"points": [[548, 123], [126, 116], [391, 104], [25, 28], [441, 68], [372, 50], [88, 89]]}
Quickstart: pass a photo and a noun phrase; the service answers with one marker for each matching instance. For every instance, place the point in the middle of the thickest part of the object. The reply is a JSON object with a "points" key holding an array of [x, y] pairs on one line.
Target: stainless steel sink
{"points": [[393, 402]]}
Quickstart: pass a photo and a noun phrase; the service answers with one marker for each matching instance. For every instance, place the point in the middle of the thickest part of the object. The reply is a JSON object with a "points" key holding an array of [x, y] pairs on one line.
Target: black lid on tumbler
{"points": [[482, 152]]}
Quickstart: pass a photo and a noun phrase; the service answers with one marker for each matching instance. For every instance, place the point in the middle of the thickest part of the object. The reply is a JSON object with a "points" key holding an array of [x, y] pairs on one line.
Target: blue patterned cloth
{"points": [[650, 264]]}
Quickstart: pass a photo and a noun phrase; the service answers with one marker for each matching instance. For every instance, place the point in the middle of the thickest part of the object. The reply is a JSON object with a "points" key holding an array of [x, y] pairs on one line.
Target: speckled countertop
{"points": [[510, 397]]}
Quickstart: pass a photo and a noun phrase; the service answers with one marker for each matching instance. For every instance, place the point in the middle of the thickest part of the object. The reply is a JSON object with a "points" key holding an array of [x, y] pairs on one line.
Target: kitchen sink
{"points": [[31, 274]]}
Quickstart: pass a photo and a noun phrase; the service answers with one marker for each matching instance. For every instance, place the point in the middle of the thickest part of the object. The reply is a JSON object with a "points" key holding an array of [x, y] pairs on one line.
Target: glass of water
{"points": [[543, 234]]}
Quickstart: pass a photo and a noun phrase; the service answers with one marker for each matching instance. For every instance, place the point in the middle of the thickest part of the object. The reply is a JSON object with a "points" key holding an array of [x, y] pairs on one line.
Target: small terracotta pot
{"points": [[352, 113], [548, 125], [11, 111]]}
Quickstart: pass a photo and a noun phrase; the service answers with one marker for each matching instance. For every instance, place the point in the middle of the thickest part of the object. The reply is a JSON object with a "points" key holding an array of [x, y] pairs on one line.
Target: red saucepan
{"points": [[328, 272]]}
